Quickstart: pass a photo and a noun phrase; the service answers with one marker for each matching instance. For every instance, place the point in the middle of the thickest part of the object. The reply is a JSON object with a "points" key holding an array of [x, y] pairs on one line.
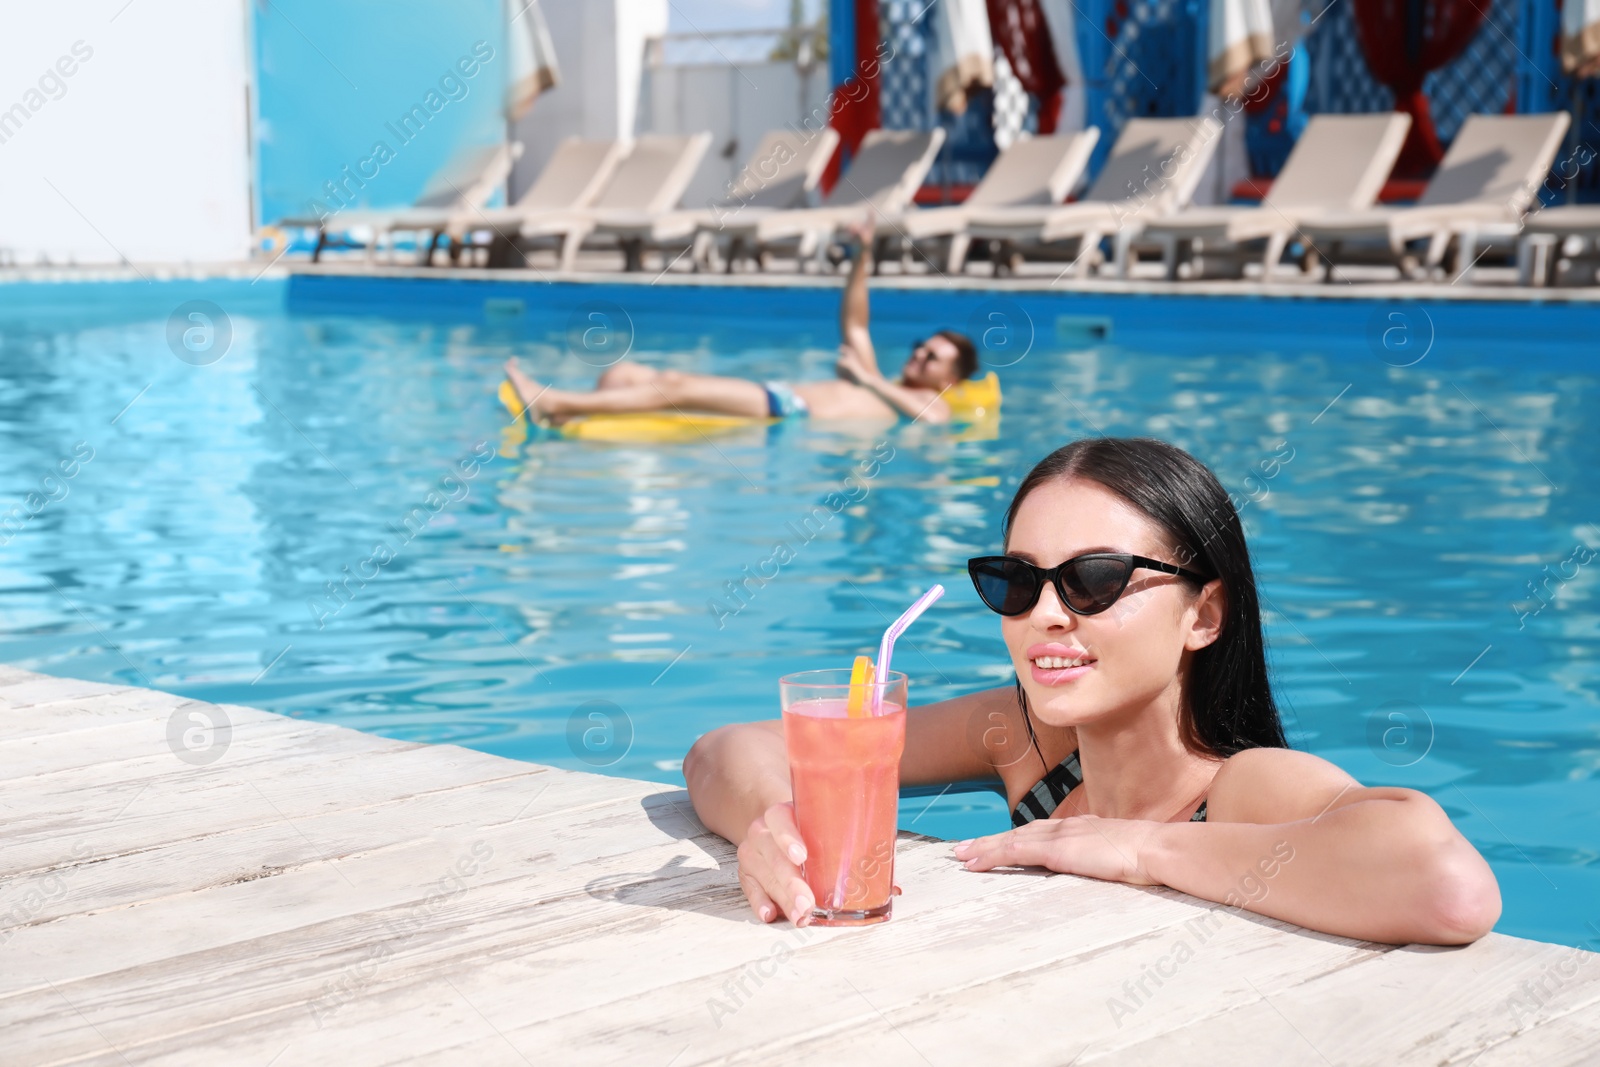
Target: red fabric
{"points": [[1050, 112], [1256, 101], [936, 195], [1395, 190], [1251, 188], [1019, 28], [850, 116], [1405, 39]]}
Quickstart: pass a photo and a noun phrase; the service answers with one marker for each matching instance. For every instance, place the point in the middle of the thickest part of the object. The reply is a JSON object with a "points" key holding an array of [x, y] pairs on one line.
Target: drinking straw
{"points": [[886, 646], [860, 679]]}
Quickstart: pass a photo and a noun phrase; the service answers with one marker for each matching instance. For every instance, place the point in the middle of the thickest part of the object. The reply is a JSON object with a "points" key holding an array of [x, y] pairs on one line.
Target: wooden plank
{"points": [[315, 923], [10, 675], [569, 917], [447, 810], [85, 713], [1572, 1039], [219, 957], [25, 689], [868, 1003], [1494, 987], [862, 1001], [394, 862], [951, 938], [123, 750], [296, 773]]}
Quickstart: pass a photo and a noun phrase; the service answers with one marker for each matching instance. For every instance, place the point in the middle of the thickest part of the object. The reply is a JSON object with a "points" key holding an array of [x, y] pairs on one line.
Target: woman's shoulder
{"points": [[1276, 785]]}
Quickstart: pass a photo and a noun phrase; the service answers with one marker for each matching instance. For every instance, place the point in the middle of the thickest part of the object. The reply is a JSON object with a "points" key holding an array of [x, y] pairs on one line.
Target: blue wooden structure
{"points": [[1541, 86], [1147, 57]]}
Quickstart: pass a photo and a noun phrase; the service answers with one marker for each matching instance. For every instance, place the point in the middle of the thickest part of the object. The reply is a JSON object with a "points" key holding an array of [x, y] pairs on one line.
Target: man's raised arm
{"points": [[853, 313]]}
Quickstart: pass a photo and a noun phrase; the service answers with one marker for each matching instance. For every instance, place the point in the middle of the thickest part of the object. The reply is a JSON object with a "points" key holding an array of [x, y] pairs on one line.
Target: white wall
{"points": [[738, 105], [143, 152], [599, 46]]}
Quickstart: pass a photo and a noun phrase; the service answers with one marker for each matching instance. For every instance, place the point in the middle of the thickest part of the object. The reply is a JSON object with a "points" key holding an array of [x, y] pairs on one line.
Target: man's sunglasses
{"points": [[1087, 584]]}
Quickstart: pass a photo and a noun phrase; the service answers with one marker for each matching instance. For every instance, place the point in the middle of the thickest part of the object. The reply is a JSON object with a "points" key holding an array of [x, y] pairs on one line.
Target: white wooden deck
{"points": [[314, 895]]}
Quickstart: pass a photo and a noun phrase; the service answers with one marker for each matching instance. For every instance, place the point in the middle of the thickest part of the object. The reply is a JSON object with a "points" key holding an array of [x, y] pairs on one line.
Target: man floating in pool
{"points": [[860, 392]]}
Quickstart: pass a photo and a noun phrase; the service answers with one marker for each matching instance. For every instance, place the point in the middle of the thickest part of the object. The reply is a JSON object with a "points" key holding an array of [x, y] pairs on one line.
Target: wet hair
{"points": [[1229, 704], [966, 353]]}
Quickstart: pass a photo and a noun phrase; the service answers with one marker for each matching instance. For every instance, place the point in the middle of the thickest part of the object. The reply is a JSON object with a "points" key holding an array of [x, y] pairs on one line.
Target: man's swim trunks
{"points": [[783, 402]]}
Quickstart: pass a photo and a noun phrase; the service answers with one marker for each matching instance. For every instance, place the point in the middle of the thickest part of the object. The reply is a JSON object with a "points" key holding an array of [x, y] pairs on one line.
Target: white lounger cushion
{"points": [[1032, 172], [1491, 173], [885, 175], [1154, 164], [468, 179], [779, 175], [573, 177], [1339, 163]]}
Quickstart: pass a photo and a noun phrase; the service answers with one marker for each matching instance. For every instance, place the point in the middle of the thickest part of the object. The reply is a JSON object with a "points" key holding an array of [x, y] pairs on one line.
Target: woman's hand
{"points": [[769, 867], [1109, 849]]}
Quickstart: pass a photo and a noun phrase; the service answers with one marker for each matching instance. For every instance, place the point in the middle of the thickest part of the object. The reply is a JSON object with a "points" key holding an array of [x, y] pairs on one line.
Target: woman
{"points": [[1141, 743]]}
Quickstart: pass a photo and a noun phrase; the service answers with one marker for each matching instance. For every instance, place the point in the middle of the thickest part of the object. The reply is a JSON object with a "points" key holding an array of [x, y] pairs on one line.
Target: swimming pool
{"points": [[558, 602]]}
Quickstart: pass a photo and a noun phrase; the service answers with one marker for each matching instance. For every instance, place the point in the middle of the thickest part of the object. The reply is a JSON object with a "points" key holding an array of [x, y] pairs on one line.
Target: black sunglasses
{"points": [[1087, 584]]}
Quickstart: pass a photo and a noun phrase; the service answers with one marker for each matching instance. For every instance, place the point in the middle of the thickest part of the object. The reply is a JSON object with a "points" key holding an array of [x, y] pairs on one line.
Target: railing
{"points": [[905, 95], [802, 45], [735, 84], [1478, 81], [1145, 57], [1541, 86], [1139, 58]]}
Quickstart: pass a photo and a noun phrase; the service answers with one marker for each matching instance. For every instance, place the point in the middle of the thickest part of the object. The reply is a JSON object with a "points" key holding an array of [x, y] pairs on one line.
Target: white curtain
{"points": [[1059, 16], [1241, 36], [963, 51], [1580, 37], [533, 59]]}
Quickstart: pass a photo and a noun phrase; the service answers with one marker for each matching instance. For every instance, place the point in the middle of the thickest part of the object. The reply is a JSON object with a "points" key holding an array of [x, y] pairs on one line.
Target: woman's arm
{"points": [[736, 772], [1381, 864], [1291, 836], [738, 778]]}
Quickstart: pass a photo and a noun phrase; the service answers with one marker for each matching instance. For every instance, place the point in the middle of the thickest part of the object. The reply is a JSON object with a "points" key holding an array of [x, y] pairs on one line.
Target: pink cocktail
{"points": [[845, 773]]}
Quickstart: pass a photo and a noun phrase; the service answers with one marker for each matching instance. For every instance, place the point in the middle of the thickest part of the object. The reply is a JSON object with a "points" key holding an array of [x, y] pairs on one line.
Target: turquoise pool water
{"points": [[211, 503]]}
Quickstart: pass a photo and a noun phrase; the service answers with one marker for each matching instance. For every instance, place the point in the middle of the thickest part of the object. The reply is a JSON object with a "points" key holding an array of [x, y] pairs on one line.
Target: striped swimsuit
{"points": [[1052, 789]]}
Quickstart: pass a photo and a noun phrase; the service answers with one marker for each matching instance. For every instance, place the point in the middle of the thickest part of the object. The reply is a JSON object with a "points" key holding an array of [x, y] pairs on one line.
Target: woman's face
{"points": [[1127, 657]]}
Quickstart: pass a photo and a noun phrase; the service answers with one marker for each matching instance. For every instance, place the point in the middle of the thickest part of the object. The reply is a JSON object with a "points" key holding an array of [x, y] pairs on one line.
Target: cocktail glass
{"points": [[845, 773]]}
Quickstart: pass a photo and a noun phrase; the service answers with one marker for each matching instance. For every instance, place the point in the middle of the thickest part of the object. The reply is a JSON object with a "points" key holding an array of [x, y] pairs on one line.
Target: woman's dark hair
{"points": [[1229, 703], [966, 353]]}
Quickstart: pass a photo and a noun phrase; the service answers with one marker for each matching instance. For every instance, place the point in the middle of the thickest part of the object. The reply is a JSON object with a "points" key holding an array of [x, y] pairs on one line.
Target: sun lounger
{"points": [[1031, 172], [1152, 170], [781, 174], [886, 173], [570, 180], [648, 182], [1339, 163], [1485, 182], [1560, 244], [468, 180]]}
